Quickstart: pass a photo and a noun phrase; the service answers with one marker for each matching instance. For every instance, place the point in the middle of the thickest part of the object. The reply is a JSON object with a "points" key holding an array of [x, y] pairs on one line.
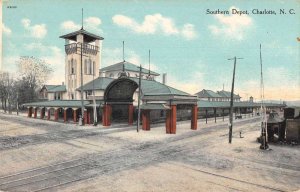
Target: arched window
{"points": [[94, 67], [90, 67], [69, 66], [111, 75], [85, 66], [72, 66]]}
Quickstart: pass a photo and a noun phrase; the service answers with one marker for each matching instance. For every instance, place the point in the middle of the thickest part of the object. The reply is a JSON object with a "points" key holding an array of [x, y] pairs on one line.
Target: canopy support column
{"points": [[65, 115], [29, 112], [130, 114], [42, 113], [171, 120], [146, 120], [74, 115], [55, 114], [194, 117], [35, 112], [106, 115]]}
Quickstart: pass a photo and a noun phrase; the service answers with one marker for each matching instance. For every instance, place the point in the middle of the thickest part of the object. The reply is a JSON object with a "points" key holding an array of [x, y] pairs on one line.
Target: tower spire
{"points": [[123, 58], [123, 52], [81, 18], [149, 64]]}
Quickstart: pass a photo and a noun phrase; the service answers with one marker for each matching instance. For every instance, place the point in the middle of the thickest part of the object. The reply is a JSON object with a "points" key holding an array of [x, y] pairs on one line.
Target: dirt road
{"points": [[39, 155]]}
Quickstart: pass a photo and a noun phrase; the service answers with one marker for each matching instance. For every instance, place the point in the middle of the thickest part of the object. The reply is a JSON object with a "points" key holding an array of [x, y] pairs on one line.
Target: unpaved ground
{"points": [[37, 155]]}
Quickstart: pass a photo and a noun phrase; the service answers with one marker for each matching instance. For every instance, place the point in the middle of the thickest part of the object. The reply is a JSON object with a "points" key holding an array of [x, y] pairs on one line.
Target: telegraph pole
{"points": [[139, 100], [81, 77], [231, 100]]}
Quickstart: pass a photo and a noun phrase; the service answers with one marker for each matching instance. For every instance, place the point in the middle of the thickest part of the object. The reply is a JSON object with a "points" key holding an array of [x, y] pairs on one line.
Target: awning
{"points": [[153, 106]]}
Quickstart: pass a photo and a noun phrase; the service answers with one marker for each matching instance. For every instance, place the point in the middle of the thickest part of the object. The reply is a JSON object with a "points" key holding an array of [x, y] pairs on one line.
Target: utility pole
{"points": [[231, 100], [139, 100], [81, 77], [264, 139]]}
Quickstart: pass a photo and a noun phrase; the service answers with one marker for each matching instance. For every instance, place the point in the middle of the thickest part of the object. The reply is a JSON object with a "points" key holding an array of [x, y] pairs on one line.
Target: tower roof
{"points": [[87, 36]]}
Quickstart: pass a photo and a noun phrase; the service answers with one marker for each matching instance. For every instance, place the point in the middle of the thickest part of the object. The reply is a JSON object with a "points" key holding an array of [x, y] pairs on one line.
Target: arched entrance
{"points": [[118, 101]]}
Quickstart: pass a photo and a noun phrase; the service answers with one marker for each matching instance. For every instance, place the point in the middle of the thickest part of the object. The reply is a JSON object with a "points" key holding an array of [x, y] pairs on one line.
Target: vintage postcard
{"points": [[149, 95]]}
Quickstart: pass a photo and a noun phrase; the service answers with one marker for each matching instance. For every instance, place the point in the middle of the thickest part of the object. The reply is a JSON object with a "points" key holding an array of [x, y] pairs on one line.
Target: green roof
{"points": [[226, 104], [128, 67], [57, 103], [149, 87], [48, 87], [99, 84], [57, 88], [227, 94], [154, 106], [207, 94]]}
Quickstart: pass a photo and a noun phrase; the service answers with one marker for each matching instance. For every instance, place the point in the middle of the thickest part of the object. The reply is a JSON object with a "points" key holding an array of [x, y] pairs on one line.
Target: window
{"points": [[73, 66], [90, 67], [94, 66], [85, 66], [111, 75]]}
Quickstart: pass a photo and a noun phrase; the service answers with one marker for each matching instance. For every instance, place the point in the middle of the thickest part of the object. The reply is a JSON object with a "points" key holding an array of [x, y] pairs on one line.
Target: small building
{"points": [[209, 95]]}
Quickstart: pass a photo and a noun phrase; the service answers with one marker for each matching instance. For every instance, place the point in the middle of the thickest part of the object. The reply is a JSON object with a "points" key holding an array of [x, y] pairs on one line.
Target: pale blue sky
{"points": [[192, 47]]}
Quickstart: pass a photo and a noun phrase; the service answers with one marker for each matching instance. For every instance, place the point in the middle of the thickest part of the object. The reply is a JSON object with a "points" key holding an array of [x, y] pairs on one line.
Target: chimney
{"points": [[251, 99], [164, 78], [62, 83]]}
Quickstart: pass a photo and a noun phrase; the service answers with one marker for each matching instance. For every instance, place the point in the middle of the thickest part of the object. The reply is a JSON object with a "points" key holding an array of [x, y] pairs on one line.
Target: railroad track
{"points": [[59, 175]]}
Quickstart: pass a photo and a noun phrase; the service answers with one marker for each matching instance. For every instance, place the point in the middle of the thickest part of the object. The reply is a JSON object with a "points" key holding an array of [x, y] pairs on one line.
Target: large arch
{"points": [[120, 90], [118, 100]]}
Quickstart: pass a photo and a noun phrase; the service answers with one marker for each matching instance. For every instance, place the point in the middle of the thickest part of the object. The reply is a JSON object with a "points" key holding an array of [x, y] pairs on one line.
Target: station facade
{"points": [[112, 92]]}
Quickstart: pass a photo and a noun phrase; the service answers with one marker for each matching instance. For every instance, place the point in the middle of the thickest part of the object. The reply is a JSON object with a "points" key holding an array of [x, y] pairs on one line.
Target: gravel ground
{"points": [[39, 155]]}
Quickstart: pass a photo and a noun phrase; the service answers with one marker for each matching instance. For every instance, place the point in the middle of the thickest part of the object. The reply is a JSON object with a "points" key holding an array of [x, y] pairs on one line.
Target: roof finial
{"points": [[123, 52], [81, 18], [149, 64]]}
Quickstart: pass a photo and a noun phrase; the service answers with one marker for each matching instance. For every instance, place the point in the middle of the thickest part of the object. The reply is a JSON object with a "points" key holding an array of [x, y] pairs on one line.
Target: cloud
{"points": [[6, 30], [154, 24], [189, 32], [38, 31], [278, 84], [69, 26], [233, 27], [193, 84], [90, 23]]}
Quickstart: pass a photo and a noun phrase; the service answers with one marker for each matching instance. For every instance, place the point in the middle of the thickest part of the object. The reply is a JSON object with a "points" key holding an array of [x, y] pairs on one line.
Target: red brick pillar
{"points": [[89, 117], [35, 112], [29, 111], [42, 113], [48, 113], [55, 114], [194, 117], [171, 120], [65, 115], [106, 115], [75, 115], [146, 120], [85, 117], [168, 117], [130, 114]]}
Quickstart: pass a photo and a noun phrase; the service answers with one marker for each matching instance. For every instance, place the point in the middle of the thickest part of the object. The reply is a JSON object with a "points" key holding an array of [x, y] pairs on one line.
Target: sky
{"points": [[188, 44]]}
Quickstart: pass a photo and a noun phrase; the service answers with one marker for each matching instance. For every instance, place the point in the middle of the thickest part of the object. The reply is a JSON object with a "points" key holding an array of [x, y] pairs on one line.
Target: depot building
{"points": [[112, 91]]}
